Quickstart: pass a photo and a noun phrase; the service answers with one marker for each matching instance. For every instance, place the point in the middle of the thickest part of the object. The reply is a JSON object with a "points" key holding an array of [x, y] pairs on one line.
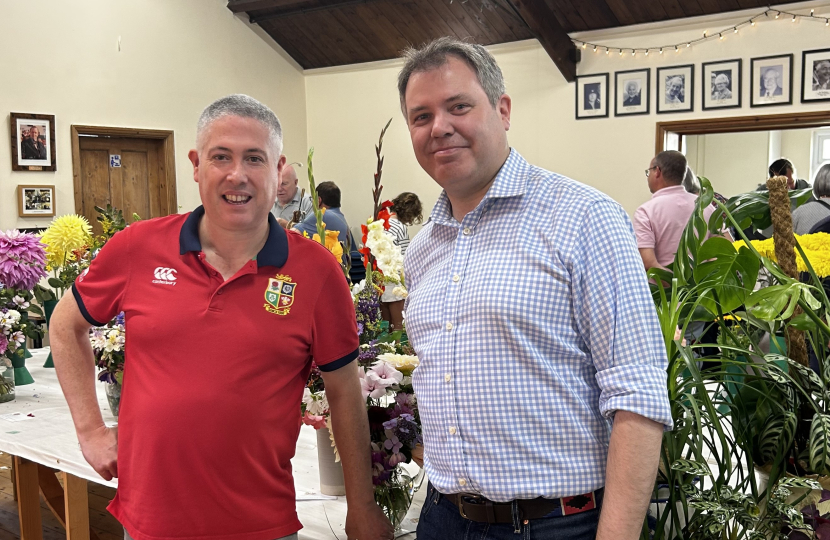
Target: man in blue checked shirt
{"points": [[542, 384]]}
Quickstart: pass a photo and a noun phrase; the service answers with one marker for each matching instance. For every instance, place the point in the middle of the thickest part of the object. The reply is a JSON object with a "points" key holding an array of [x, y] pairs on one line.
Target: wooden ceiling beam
{"points": [[239, 6], [299, 8], [543, 23]]}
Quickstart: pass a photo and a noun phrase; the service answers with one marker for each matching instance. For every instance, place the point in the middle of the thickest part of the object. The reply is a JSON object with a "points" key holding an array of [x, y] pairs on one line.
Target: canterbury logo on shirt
{"points": [[165, 276]]}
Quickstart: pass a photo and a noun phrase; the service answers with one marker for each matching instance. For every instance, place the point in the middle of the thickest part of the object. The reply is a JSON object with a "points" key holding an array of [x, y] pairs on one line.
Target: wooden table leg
{"points": [[77, 507], [28, 499], [53, 493]]}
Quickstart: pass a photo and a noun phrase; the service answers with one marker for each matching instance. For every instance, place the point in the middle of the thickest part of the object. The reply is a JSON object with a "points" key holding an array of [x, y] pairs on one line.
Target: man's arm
{"points": [[75, 366], [633, 456], [350, 425], [649, 258]]}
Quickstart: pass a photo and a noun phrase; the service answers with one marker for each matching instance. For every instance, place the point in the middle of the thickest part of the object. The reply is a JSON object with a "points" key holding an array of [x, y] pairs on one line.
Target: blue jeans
{"points": [[440, 520]]}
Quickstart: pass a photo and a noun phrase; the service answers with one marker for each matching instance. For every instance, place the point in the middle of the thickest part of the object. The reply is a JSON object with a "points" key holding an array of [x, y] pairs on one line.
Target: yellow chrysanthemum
{"points": [[65, 234], [816, 246], [332, 243]]}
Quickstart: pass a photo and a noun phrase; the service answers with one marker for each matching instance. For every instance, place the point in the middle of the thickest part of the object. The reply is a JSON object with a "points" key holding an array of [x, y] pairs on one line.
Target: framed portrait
{"points": [[815, 78], [33, 142], [592, 96], [631, 92], [721, 84], [35, 201], [675, 89], [772, 81]]}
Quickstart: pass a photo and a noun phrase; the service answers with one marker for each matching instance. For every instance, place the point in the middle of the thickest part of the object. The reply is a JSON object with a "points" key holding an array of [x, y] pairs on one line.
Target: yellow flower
{"points": [[65, 234], [816, 246], [332, 243], [405, 363]]}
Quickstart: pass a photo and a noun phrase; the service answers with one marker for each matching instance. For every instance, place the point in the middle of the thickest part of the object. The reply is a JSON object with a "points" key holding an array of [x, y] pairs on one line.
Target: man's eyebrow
{"points": [[226, 149], [456, 97]]}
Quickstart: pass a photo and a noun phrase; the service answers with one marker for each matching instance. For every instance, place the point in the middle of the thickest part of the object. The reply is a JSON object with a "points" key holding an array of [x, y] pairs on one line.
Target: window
{"points": [[820, 151]]}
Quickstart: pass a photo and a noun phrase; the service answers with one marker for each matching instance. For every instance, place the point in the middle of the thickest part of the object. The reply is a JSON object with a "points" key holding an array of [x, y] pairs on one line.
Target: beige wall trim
{"points": [[168, 162]]}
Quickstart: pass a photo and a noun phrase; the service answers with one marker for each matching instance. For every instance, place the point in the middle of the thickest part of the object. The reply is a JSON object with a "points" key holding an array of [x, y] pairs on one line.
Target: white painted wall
{"points": [[176, 57], [347, 107]]}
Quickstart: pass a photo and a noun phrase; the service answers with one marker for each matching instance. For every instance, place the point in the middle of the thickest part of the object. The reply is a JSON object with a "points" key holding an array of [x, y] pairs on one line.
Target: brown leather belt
{"points": [[477, 508]]}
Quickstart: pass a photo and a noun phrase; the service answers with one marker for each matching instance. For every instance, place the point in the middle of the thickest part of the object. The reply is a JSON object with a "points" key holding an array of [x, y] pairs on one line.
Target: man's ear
{"points": [[503, 108], [193, 155]]}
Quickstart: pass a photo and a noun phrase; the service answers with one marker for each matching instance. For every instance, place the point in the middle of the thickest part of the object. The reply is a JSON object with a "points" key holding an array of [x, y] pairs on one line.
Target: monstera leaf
{"points": [[727, 273], [753, 208], [779, 301]]}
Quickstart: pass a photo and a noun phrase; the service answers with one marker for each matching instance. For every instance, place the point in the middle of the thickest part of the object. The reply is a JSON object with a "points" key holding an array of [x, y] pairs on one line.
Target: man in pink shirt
{"points": [[659, 223]]}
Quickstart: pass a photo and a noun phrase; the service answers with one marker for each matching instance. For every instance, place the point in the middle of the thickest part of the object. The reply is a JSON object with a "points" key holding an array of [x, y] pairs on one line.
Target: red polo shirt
{"points": [[214, 375]]}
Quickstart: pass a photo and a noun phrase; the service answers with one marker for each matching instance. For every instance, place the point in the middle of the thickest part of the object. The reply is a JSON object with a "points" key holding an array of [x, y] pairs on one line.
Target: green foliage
{"points": [[820, 444]]}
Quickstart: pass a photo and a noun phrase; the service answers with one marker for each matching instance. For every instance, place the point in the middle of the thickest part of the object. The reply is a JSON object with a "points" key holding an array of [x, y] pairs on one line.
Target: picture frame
{"points": [[675, 89], [35, 200], [631, 92], [36, 154], [721, 84], [592, 96], [815, 75], [771, 81]]}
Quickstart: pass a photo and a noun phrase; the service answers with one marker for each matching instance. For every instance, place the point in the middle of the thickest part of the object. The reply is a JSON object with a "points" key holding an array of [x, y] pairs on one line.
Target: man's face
{"points": [[652, 176], [675, 85], [769, 80], [459, 139], [632, 90], [33, 133], [720, 83], [237, 169], [288, 185], [823, 71], [592, 96]]}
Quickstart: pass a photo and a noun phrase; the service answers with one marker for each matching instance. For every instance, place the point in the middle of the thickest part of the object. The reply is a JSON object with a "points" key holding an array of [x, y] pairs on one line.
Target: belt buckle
{"points": [[461, 502]]}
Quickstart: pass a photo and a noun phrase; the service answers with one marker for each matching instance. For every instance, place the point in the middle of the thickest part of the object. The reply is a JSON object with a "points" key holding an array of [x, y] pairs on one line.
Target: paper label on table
{"points": [[13, 417]]}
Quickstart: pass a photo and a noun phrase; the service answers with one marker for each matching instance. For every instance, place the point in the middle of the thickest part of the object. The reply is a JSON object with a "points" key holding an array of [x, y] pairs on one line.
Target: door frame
{"points": [[167, 158]]}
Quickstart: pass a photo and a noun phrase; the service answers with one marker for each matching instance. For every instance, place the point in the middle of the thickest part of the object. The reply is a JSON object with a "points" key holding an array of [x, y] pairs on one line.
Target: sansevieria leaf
{"points": [[778, 433], [820, 444]]}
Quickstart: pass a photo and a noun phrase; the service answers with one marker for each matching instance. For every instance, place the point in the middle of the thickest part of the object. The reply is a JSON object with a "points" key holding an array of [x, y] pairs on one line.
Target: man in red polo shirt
{"points": [[225, 311]]}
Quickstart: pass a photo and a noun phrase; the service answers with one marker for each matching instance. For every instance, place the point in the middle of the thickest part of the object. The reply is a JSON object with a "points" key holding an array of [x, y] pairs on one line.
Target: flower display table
{"points": [[36, 428]]}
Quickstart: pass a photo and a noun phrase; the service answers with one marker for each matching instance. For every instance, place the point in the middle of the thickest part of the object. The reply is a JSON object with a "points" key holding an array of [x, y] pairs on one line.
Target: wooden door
{"points": [[125, 172]]}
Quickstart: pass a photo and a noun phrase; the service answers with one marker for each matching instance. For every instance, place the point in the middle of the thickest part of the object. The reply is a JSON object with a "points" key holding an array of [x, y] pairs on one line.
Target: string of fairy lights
{"points": [[707, 36]]}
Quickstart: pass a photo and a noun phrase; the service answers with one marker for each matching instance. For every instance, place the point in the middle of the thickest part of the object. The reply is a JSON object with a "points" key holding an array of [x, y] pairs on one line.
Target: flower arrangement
{"points": [[816, 246], [68, 240], [108, 344]]}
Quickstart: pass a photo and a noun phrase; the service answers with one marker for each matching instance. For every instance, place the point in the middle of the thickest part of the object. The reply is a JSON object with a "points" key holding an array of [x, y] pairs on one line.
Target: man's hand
{"points": [[283, 223], [418, 455], [367, 522], [100, 449]]}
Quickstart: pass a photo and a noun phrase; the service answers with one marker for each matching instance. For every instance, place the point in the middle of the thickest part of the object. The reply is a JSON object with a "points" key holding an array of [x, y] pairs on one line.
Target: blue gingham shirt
{"points": [[533, 322]]}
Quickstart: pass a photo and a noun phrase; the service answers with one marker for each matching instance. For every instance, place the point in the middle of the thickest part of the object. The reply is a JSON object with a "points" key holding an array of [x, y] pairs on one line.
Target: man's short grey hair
{"points": [[245, 107], [672, 164], [821, 184], [690, 182], [434, 55]]}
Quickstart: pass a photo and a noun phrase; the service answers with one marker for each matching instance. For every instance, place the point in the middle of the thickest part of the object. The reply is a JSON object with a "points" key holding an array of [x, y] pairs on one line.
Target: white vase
{"points": [[331, 472]]}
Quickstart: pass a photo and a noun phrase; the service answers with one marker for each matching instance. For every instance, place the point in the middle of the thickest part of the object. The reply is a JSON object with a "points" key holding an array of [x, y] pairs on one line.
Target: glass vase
{"points": [[395, 497], [6, 380], [113, 391]]}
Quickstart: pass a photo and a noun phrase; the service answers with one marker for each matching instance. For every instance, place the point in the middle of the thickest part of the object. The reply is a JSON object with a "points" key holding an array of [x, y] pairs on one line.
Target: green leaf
{"points": [[729, 273], [120, 377], [809, 379], [691, 467], [777, 435], [799, 482], [803, 322], [56, 283], [820, 444], [36, 310]]}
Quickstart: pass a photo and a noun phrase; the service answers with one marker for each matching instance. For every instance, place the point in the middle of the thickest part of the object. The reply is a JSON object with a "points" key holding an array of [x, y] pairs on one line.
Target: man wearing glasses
{"points": [[659, 223]]}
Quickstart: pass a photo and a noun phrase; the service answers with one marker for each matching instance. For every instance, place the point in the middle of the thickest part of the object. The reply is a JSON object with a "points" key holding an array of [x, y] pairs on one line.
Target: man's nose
{"points": [[442, 125]]}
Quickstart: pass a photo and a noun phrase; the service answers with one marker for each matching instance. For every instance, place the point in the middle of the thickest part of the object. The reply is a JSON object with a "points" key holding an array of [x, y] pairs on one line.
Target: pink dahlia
{"points": [[22, 260]]}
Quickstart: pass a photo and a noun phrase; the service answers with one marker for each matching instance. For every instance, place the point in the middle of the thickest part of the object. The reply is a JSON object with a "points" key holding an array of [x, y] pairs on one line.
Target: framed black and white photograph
{"points": [[772, 81], [815, 79], [35, 201], [721, 84], [592, 96], [631, 92], [675, 89], [33, 142]]}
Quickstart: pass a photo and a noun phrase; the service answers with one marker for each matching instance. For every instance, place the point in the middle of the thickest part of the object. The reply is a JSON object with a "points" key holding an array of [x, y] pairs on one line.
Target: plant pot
{"points": [[331, 472], [21, 374], [113, 391], [48, 308], [6, 380]]}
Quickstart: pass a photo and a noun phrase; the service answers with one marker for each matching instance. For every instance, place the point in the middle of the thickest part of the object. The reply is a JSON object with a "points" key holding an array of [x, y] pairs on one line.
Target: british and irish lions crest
{"points": [[279, 294]]}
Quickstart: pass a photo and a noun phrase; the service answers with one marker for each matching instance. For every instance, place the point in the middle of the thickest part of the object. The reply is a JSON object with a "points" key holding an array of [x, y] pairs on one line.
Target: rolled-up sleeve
{"points": [[617, 319]]}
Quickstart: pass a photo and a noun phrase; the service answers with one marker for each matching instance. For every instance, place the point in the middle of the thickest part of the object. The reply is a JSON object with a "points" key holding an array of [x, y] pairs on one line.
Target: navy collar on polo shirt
{"points": [[273, 253]]}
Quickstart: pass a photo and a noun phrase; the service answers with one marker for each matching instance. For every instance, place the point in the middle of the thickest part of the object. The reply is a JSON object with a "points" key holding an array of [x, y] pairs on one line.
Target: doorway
{"points": [[131, 169]]}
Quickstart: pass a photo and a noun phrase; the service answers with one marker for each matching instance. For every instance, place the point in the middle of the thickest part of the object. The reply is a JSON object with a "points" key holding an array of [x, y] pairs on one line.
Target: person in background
{"points": [[239, 412], [406, 210], [542, 384], [806, 216], [33, 147], [821, 75], [288, 198], [721, 90], [784, 167], [659, 223]]}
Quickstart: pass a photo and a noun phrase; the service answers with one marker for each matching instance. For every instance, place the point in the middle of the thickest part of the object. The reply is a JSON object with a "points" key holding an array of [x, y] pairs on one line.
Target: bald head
{"points": [[288, 185]]}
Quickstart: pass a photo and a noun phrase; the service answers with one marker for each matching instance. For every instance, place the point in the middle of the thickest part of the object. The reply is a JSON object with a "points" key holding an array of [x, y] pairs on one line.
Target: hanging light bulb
{"points": [[721, 36], [793, 18], [826, 22], [633, 52], [811, 12], [777, 14], [688, 45], [620, 52], [646, 52], [584, 45], [752, 23], [676, 49], [607, 51], [736, 30], [661, 50], [595, 48]]}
